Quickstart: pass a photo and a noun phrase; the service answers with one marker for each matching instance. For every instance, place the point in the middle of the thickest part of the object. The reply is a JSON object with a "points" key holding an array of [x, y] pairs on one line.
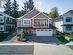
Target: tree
{"points": [[30, 4], [15, 9], [54, 14], [25, 8], [8, 7]]}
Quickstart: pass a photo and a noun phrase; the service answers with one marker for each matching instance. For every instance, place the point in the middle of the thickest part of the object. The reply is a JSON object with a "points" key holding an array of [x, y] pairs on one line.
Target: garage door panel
{"points": [[44, 33]]}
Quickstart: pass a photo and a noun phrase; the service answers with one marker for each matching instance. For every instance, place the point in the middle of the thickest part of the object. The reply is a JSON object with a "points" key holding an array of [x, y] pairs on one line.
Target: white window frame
{"points": [[68, 28], [2, 27], [68, 18], [2, 17], [26, 22]]}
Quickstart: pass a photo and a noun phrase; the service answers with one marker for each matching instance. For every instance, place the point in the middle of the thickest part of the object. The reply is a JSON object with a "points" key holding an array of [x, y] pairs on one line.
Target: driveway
{"points": [[44, 39], [52, 50]]}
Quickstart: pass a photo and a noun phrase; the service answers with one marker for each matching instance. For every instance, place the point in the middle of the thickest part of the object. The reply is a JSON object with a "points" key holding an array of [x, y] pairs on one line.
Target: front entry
{"points": [[28, 31]]}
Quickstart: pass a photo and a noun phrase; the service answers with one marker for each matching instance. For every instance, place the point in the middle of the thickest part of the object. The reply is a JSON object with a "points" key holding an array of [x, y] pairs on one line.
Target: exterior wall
{"points": [[2, 23], [68, 30], [7, 23], [24, 22], [67, 23], [64, 18], [40, 23]]}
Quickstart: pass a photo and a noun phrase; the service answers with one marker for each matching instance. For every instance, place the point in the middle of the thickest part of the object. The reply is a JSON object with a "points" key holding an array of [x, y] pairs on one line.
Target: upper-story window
{"points": [[1, 19], [68, 19], [26, 21]]}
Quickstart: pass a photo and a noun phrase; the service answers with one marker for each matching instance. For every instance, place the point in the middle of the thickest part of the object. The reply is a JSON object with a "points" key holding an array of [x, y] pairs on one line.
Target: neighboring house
{"points": [[66, 22], [7, 23], [35, 23]]}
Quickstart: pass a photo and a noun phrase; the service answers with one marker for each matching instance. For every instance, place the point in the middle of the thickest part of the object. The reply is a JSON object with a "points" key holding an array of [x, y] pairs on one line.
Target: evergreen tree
{"points": [[25, 8], [30, 4], [15, 9], [7, 7]]}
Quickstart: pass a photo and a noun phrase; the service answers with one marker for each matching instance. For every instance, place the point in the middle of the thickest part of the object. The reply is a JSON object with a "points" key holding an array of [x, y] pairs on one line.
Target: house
{"points": [[7, 23], [35, 23], [65, 22]]}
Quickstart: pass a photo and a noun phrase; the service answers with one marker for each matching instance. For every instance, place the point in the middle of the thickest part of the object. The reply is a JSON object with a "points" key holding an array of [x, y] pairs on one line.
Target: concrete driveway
{"points": [[52, 50], [44, 39]]}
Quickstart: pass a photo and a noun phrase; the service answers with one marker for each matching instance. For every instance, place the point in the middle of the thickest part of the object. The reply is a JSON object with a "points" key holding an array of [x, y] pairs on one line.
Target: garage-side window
{"points": [[42, 29], [49, 30], [38, 29], [45, 29]]}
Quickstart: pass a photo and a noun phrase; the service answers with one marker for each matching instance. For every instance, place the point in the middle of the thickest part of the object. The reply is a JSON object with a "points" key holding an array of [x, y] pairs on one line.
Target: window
{"points": [[69, 28], [68, 19], [1, 19], [1, 27], [26, 21]]}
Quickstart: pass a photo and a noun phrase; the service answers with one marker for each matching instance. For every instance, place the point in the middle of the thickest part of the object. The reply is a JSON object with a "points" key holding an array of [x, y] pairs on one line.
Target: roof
{"points": [[71, 11], [30, 14], [52, 27], [33, 13], [40, 15], [6, 15]]}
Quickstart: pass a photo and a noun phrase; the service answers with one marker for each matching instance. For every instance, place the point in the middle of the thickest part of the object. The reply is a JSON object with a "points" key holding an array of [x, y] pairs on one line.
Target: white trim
{"points": [[41, 13]]}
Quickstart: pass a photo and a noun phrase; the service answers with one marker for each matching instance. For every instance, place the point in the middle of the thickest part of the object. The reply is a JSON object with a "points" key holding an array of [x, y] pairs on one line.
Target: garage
{"points": [[44, 32]]}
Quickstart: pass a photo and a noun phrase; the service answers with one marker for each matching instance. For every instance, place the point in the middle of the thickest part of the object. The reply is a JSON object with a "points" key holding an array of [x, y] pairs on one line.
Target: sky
{"points": [[46, 5]]}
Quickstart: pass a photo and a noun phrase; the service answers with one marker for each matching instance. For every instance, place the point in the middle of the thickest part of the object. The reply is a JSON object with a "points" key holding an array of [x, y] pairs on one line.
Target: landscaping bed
{"points": [[63, 40], [3, 36]]}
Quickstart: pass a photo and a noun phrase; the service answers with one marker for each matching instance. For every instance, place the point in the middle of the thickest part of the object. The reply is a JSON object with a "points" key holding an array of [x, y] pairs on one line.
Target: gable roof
{"points": [[40, 15], [30, 14], [34, 12], [71, 11], [5, 15]]}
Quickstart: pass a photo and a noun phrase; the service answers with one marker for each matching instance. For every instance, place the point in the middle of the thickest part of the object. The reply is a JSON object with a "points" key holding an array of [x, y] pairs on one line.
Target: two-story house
{"points": [[35, 23], [65, 22], [7, 23]]}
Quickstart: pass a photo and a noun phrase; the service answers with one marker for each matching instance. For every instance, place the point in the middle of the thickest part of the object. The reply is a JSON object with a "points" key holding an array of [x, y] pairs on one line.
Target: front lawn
{"points": [[3, 36], [63, 40]]}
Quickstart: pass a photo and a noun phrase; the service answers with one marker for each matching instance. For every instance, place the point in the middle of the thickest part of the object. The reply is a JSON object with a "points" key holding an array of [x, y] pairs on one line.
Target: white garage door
{"points": [[44, 32]]}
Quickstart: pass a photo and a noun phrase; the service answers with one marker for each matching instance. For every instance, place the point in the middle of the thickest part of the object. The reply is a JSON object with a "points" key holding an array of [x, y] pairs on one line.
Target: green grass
{"points": [[63, 40], [3, 36]]}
